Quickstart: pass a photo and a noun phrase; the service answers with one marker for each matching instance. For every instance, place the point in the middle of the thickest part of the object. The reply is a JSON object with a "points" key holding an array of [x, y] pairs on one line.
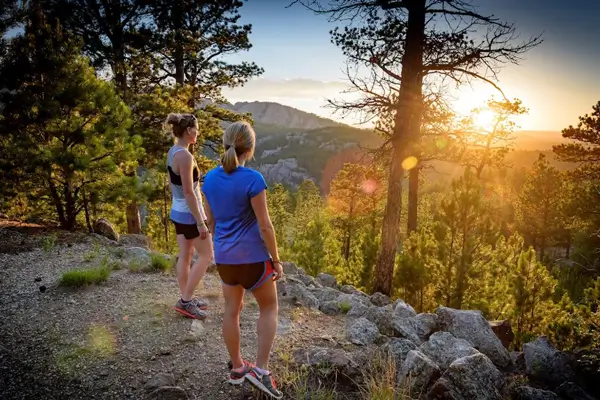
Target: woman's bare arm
{"points": [[259, 204], [186, 164]]}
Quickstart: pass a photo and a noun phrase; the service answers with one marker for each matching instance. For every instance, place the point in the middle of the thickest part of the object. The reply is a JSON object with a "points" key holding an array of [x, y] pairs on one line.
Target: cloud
{"points": [[263, 89]]}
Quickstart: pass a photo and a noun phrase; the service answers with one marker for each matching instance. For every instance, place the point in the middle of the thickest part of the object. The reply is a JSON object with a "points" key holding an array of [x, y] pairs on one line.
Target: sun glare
{"points": [[484, 121]]}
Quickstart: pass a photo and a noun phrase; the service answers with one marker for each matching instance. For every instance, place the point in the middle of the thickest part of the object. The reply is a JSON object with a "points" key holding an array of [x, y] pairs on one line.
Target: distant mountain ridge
{"points": [[294, 145], [271, 113]]}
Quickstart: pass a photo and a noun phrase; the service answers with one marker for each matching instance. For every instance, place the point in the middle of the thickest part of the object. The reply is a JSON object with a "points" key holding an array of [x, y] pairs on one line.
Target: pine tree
{"points": [[539, 211], [66, 129]]}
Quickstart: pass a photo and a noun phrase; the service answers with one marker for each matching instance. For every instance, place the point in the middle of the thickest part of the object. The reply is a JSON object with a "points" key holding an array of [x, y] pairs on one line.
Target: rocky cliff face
{"points": [[280, 115]]}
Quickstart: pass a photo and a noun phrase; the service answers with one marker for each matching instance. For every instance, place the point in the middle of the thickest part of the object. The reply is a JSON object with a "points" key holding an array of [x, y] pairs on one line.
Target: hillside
{"points": [[119, 337], [293, 145]]}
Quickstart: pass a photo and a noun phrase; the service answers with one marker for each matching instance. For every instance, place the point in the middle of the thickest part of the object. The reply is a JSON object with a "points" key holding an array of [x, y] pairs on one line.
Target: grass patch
{"points": [[85, 277], [136, 266], [49, 242], [345, 307], [298, 383], [160, 263], [380, 379]]}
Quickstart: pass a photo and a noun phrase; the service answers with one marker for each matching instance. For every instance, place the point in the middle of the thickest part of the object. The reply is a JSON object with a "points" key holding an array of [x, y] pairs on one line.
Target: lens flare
{"points": [[369, 186], [409, 163]]}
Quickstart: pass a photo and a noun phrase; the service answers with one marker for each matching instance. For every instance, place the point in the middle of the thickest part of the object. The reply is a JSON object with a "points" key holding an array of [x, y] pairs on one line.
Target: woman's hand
{"points": [[278, 266], [203, 229]]}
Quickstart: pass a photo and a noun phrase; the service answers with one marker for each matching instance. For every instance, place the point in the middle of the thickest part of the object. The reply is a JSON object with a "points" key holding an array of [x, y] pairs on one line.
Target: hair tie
{"points": [[228, 146]]}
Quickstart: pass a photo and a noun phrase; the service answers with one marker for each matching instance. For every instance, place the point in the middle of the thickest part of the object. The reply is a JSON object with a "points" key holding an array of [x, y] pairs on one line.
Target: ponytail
{"points": [[239, 139], [230, 160]]}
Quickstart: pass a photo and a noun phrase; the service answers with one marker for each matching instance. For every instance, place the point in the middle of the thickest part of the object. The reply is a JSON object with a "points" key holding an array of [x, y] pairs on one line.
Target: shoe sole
{"points": [[258, 384], [187, 314], [239, 381]]}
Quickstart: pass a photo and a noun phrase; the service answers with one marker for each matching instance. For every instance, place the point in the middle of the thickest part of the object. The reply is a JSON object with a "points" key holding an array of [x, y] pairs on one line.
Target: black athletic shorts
{"points": [[189, 231], [250, 276]]}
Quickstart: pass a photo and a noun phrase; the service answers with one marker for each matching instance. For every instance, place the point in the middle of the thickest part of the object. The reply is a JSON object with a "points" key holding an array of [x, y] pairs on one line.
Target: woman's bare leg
{"points": [[234, 296], [266, 297], [205, 255], [186, 252]]}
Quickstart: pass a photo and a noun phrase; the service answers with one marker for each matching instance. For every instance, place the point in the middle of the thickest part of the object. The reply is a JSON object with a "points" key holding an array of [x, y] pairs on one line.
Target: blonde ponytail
{"points": [[239, 138], [230, 160]]}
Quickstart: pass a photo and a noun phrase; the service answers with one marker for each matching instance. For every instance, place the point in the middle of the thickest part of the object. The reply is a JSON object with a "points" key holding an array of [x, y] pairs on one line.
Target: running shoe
{"points": [[201, 303], [237, 376], [190, 310], [265, 383]]}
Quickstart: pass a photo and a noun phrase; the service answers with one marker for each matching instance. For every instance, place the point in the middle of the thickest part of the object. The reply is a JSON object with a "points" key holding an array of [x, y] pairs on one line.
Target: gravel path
{"points": [[118, 339]]}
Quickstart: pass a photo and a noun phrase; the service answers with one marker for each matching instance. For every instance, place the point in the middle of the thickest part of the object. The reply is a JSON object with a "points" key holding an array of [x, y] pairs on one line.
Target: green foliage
{"points": [[541, 206], [67, 128], [159, 263], [85, 277]]}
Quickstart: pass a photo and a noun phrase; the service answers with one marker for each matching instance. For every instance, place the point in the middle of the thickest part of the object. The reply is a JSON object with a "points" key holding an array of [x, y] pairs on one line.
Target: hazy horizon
{"points": [[556, 81]]}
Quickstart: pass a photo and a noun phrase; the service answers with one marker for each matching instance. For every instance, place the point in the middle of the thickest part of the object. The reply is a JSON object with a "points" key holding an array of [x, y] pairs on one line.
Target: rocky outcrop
{"points": [[451, 355], [104, 228], [545, 364], [417, 374], [361, 331], [473, 327]]}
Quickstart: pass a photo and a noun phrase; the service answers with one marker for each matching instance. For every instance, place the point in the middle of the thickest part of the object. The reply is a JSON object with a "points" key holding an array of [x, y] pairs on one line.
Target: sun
{"points": [[484, 120]]}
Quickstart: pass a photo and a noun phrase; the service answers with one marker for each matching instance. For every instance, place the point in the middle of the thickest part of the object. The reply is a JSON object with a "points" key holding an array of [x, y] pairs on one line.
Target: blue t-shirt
{"points": [[237, 238]]}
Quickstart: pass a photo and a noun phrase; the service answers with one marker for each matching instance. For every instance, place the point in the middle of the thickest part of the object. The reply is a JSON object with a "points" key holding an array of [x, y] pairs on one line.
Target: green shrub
{"points": [[85, 277], [159, 263]]}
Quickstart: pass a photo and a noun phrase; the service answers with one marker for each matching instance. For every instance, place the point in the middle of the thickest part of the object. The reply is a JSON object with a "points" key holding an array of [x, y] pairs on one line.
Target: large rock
{"points": [[349, 289], [137, 255], [417, 374], [361, 331], [398, 349], [322, 356], [529, 393], [403, 310], [380, 299], [472, 377], [473, 327], [349, 301], [327, 280], [417, 328], [570, 391], [330, 308], [133, 240], [290, 268], [504, 332], [444, 349], [546, 364], [325, 294], [309, 281], [105, 228], [382, 317], [301, 295], [357, 310]]}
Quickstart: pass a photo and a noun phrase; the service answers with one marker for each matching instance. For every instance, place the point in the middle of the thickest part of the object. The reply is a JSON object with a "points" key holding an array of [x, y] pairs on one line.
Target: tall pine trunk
{"points": [[413, 199], [407, 123]]}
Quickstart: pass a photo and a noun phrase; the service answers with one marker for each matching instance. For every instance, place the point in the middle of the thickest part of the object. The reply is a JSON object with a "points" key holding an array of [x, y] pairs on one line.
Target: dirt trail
{"points": [[109, 341]]}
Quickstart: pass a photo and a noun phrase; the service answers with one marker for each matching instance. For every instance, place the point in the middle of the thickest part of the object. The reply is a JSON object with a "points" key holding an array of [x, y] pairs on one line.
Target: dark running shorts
{"points": [[250, 276], [189, 231]]}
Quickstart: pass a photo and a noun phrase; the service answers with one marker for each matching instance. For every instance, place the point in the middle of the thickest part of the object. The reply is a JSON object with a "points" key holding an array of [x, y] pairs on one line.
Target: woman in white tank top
{"points": [[188, 216]]}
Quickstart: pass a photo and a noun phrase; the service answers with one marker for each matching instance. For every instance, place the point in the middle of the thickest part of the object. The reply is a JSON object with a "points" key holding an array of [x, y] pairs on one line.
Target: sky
{"points": [[557, 81]]}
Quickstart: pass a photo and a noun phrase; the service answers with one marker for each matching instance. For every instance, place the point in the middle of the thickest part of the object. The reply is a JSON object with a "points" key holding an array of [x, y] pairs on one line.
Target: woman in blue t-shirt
{"points": [[245, 252]]}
